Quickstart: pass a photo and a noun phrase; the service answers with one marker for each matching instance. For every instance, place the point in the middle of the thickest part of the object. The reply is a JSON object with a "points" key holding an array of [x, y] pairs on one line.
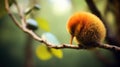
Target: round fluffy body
{"points": [[87, 28]]}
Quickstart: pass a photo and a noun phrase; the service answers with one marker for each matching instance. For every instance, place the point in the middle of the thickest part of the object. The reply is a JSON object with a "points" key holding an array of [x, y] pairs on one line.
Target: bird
{"points": [[86, 28]]}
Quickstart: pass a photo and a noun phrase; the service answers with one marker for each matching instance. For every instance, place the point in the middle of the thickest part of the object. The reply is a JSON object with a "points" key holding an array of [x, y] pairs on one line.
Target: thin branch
{"points": [[10, 14], [109, 38], [61, 46], [18, 8], [93, 8], [21, 13], [110, 47]]}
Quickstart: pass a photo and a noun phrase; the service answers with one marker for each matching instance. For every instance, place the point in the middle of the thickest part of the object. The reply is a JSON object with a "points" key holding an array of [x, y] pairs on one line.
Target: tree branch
{"points": [[10, 14], [109, 37], [93, 8], [110, 47], [37, 38]]}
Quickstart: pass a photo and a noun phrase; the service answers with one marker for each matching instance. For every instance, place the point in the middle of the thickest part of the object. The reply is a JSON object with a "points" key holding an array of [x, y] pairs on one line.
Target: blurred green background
{"points": [[56, 14]]}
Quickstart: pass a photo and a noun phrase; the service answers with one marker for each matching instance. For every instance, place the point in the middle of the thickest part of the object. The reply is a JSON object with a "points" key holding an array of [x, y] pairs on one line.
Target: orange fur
{"points": [[86, 28]]}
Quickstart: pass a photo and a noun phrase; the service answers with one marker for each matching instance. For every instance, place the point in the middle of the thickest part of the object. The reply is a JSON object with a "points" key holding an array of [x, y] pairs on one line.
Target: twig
{"points": [[21, 13], [110, 47], [61, 46], [10, 14]]}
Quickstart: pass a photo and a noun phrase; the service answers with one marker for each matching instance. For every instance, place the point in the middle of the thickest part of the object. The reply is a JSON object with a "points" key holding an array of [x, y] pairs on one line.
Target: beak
{"points": [[71, 39]]}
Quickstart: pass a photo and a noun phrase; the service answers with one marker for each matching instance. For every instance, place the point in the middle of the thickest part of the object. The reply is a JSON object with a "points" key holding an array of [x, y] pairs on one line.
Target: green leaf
{"points": [[43, 24], [43, 53], [50, 38]]}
